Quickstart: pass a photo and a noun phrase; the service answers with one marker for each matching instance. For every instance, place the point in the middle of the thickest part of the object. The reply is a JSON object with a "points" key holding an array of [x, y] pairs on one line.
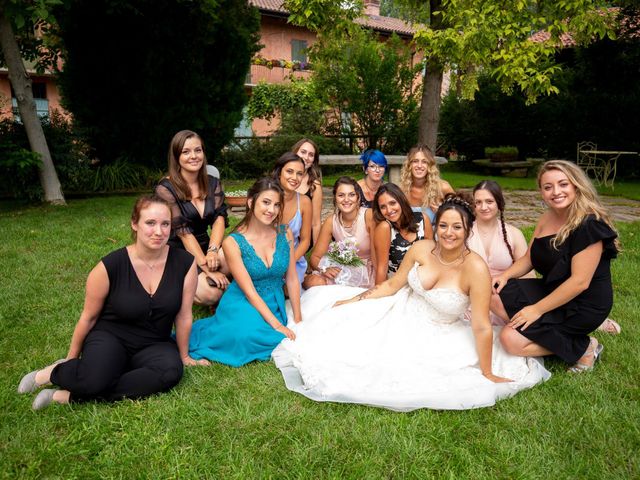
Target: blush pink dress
{"points": [[497, 258], [360, 235]]}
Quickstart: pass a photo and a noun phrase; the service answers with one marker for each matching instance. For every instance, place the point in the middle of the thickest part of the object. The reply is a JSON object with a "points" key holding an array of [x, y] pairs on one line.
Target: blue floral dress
{"points": [[237, 334]]}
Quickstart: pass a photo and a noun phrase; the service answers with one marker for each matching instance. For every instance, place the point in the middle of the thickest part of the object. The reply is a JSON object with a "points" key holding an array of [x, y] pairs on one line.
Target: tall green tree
{"points": [[137, 71], [367, 84], [467, 37], [19, 40]]}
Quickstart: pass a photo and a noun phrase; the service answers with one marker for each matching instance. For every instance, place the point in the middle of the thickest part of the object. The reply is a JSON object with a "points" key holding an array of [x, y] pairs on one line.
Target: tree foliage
{"points": [[368, 86], [136, 72], [594, 80], [32, 21], [23, 30], [467, 37]]}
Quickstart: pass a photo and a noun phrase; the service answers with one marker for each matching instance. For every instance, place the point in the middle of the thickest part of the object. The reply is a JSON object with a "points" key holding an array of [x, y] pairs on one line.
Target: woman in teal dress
{"points": [[251, 318]]}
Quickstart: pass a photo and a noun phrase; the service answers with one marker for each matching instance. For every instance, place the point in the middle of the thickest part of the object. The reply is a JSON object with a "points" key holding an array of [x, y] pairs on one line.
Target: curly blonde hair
{"points": [[433, 195], [586, 203]]}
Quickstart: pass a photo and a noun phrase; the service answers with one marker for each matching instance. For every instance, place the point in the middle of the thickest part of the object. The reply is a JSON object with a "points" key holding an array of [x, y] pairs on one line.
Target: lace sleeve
{"points": [[179, 224], [217, 195]]}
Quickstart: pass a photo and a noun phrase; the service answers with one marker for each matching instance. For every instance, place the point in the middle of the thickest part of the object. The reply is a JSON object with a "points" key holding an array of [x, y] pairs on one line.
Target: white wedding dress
{"points": [[403, 352]]}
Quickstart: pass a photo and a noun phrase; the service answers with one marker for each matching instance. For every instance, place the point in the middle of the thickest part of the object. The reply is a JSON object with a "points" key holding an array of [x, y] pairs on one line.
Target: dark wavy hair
{"points": [[406, 220], [285, 158]]}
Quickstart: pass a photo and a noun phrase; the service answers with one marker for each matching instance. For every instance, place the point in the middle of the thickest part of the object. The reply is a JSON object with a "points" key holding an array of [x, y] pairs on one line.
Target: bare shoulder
{"points": [[421, 250], [229, 242], [446, 186], [475, 265], [383, 227], [514, 231], [305, 202]]}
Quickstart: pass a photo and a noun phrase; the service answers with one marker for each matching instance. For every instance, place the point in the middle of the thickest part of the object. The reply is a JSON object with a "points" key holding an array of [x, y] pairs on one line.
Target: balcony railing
{"points": [[260, 73]]}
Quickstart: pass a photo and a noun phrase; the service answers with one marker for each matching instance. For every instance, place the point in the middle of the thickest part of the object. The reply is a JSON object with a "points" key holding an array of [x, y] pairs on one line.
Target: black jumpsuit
{"points": [[129, 353]]}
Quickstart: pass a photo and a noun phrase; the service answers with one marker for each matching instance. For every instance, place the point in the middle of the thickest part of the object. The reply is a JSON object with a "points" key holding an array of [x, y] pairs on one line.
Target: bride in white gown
{"points": [[404, 344]]}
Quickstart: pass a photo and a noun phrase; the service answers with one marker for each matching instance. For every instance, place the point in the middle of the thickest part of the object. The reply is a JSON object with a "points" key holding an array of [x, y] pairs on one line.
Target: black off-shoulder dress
{"points": [[565, 330]]}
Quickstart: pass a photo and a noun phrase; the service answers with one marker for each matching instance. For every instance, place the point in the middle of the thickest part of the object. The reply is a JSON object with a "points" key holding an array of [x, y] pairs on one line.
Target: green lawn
{"points": [[222, 422]]}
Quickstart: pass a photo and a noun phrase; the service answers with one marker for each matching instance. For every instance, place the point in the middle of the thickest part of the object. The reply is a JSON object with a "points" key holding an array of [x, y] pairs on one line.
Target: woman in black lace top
{"points": [[197, 204]]}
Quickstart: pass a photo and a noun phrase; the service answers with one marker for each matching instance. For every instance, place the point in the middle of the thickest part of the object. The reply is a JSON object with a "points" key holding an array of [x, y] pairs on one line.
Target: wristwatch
{"points": [[212, 248]]}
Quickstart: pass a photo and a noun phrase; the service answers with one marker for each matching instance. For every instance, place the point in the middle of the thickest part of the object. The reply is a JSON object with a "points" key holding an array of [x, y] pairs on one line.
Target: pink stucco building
{"points": [[286, 43], [283, 55]]}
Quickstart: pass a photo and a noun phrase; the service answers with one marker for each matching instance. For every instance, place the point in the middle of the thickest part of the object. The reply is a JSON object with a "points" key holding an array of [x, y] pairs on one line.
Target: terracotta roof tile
{"points": [[269, 5], [384, 24]]}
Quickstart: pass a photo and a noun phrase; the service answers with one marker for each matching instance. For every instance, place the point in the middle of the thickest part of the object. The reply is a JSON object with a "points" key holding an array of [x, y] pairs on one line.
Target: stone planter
{"points": [[503, 157]]}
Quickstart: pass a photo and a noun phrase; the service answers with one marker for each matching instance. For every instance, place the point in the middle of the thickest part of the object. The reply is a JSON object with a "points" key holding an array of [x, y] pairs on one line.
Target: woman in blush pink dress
{"points": [[350, 221], [497, 242]]}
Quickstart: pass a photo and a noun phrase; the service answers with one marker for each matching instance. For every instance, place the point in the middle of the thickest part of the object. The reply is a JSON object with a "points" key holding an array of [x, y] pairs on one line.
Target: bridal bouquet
{"points": [[344, 254]]}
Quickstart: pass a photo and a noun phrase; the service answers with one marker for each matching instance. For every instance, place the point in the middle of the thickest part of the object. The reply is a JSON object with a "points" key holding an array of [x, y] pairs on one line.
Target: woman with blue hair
{"points": [[374, 164]]}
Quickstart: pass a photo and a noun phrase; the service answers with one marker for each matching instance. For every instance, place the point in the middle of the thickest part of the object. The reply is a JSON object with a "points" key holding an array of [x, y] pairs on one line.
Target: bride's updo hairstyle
{"points": [[262, 185], [462, 203]]}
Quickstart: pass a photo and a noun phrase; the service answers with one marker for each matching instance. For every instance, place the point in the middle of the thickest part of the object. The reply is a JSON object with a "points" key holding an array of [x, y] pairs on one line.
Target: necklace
{"points": [[149, 265], [369, 190], [445, 263], [347, 229]]}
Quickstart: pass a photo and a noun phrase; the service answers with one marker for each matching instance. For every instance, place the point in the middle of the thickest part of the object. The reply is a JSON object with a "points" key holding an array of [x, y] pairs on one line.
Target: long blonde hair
{"points": [[586, 202], [433, 195]]}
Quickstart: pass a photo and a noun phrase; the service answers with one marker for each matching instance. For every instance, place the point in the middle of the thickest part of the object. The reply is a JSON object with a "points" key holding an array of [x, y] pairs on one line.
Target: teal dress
{"points": [[237, 334]]}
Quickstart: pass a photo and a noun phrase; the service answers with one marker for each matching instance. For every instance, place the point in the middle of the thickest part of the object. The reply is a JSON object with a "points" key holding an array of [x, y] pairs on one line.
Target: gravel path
{"points": [[525, 206]]}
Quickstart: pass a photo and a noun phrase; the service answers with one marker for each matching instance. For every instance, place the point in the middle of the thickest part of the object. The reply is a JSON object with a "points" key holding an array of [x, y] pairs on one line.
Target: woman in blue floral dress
{"points": [[251, 318]]}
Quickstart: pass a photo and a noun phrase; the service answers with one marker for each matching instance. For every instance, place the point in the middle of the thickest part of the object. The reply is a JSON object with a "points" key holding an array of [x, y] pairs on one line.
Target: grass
{"points": [[244, 423]]}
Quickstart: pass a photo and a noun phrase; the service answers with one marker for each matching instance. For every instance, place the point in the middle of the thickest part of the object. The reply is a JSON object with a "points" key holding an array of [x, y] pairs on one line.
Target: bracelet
{"points": [[212, 248]]}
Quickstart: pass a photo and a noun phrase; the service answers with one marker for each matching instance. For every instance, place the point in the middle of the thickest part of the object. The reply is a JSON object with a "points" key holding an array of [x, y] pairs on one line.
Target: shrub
{"points": [[18, 165]]}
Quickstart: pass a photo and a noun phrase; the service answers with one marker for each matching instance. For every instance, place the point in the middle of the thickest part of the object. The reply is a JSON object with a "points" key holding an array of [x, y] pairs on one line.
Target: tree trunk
{"points": [[21, 84], [431, 88], [430, 106]]}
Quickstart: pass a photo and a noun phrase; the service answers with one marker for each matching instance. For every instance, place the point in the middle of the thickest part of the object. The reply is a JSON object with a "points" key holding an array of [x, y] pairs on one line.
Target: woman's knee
{"points": [[511, 340], [206, 294], [313, 280]]}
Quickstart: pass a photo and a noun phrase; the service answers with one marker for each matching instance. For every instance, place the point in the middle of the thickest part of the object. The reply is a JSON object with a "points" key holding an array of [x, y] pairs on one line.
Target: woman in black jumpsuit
{"points": [[572, 248], [122, 346]]}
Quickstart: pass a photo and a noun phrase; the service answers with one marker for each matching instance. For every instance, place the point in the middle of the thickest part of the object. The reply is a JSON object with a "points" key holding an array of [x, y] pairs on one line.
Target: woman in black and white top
{"points": [[397, 229]]}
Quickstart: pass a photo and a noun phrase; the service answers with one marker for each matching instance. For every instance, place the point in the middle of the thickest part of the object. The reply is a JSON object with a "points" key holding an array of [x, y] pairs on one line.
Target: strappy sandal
{"points": [[583, 367], [610, 326]]}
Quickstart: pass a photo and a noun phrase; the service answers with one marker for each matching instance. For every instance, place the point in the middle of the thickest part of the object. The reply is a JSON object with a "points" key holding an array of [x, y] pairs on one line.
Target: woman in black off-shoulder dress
{"points": [[572, 248]]}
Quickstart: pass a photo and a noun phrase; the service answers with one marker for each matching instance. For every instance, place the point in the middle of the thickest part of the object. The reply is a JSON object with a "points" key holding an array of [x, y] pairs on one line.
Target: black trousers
{"points": [[109, 370]]}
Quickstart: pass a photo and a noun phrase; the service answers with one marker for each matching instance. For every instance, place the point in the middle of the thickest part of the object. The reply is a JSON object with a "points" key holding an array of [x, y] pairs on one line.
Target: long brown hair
{"points": [[175, 177], [262, 185], [406, 220], [314, 170]]}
